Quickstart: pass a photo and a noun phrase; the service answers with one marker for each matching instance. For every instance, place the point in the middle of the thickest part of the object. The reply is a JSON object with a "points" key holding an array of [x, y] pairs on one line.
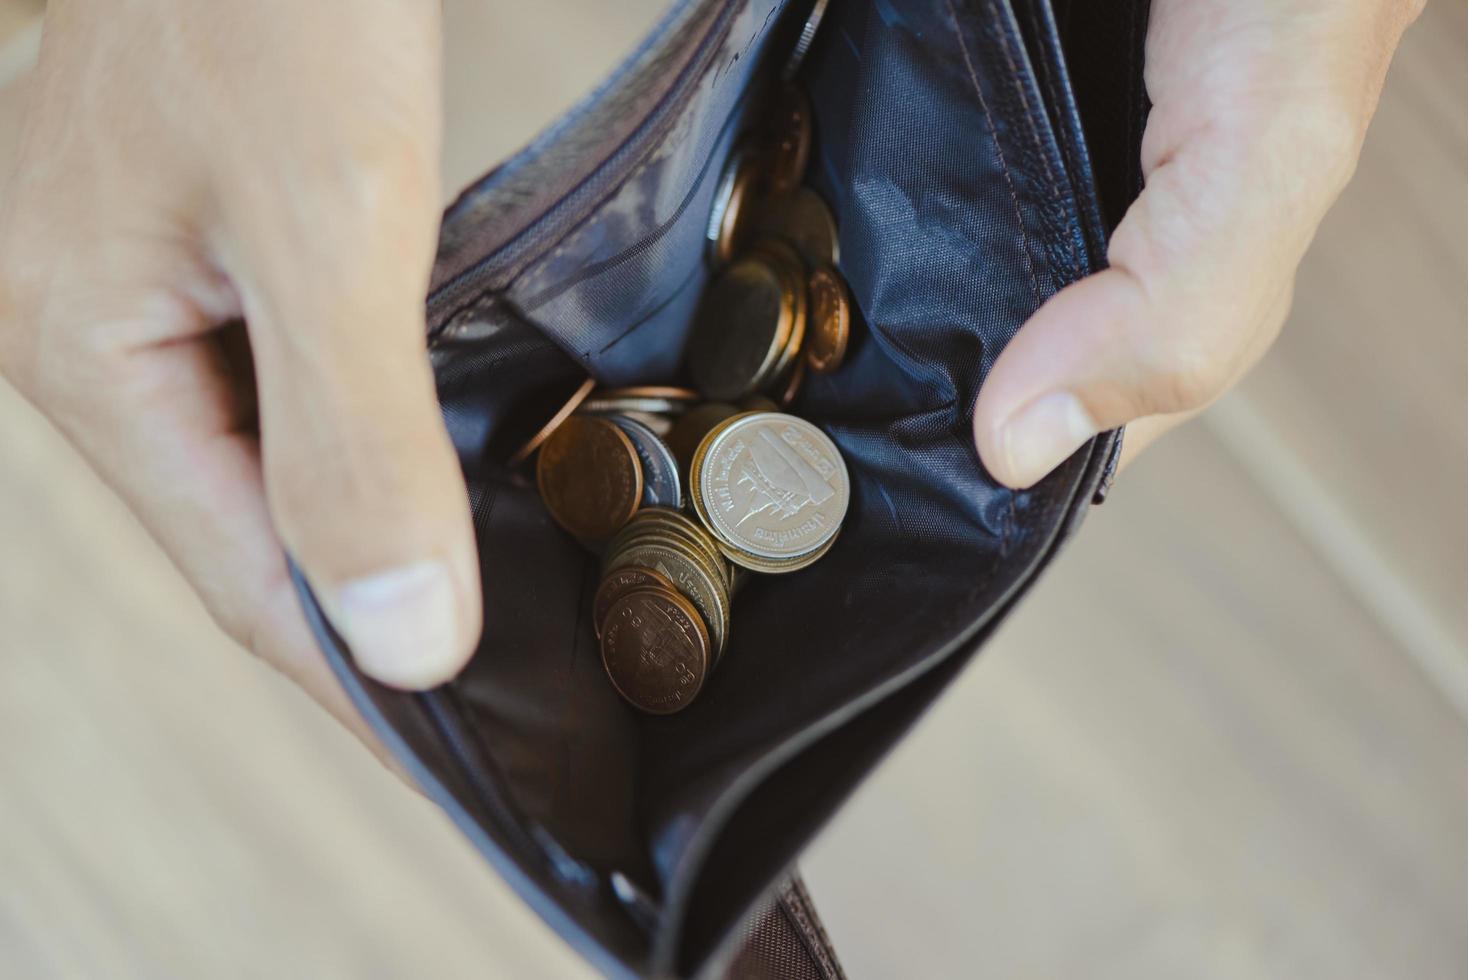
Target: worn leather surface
{"points": [[952, 152]]}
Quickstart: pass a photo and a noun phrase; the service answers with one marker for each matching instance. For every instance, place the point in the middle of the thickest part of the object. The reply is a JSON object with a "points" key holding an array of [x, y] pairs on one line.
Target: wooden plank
{"points": [[173, 808], [1367, 384], [1190, 754]]}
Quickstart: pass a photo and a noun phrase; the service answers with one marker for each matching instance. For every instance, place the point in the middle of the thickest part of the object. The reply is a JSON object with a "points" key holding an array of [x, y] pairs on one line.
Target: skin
{"points": [[185, 166]]}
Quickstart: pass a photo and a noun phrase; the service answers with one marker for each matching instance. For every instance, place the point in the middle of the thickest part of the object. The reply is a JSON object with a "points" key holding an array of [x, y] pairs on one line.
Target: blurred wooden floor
{"points": [[1225, 738]]}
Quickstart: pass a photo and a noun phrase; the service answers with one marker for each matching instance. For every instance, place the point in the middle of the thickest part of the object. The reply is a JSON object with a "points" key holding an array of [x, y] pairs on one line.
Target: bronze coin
{"points": [[741, 328], [589, 477], [791, 127], [730, 221], [830, 320], [803, 219], [655, 650], [689, 430], [563, 413], [618, 582], [698, 579]]}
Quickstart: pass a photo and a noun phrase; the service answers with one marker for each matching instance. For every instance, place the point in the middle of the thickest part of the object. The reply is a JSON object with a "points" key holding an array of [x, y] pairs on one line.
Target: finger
{"points": [[162, 426], [1200, 275], [363, 484], [1143, 432]]}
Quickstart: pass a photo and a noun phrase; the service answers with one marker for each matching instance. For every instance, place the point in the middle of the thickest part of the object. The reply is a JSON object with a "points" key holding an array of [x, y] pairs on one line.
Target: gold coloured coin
{"points": [[791, 268], [791, 128], [729, 221], [589, 477], [742, 327], [829, 325], [563, 413], [655, 650], [804, 220], [690, 429]]}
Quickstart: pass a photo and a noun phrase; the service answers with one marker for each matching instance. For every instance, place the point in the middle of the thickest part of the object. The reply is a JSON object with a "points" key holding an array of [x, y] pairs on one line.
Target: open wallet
{"points": [[975, 155]]}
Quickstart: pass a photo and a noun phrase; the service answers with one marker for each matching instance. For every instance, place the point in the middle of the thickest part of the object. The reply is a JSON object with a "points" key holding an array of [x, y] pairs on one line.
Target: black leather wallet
{"points": [[975, 154]]}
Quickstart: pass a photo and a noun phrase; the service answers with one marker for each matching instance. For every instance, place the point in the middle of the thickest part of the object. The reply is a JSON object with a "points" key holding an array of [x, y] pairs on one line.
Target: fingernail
{"points": [[1041, 435], [401, 624]]}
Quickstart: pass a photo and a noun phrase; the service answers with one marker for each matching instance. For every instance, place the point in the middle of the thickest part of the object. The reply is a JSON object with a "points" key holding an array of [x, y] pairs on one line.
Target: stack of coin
{"points": [[771, 489], [776, 247], [662, 555]]}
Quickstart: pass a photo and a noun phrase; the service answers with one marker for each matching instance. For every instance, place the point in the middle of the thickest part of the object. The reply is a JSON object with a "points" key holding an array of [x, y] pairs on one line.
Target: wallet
{"points": [[976, 154]]}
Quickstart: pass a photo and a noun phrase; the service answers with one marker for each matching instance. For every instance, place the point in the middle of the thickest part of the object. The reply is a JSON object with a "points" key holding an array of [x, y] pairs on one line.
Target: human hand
{"points": [[1259, 110], [185, 165]]}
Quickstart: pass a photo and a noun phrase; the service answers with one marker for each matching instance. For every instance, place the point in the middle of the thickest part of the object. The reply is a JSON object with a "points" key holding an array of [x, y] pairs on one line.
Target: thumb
{"points": [[1200, 278], [363, 484]]}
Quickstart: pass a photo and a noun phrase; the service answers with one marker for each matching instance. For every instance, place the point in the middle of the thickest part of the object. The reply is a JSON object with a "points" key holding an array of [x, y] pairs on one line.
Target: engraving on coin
{"points": [[693, 579], [655, 650], [661, 483], [741, 329], [617, 583], [773, 485], [790, 138], [589, 477], [829, 321]]}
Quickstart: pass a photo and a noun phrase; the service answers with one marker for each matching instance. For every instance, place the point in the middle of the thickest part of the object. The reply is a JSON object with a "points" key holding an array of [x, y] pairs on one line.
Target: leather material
{"points": [[951, 149]]}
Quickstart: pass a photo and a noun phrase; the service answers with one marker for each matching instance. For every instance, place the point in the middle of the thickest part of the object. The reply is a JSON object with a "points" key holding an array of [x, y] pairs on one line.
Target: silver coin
{"points": [[803, 43], [618, 405], [773, 485], [661, 484]]}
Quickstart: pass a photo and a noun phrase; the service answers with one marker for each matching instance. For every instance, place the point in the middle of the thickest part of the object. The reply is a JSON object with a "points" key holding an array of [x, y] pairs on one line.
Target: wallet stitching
{"points": [[1045, 75], [796, 903], [1006, 47], [998, 148]]}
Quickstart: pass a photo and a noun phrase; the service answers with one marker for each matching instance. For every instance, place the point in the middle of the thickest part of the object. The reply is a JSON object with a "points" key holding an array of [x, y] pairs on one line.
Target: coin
{"points": [[791, 267], [803, 43], [693, 576], [563, 413], [589, 477], [671, 393], [619, 582], [789, 139], [829, 324], [793, 380], [803, 219], [689, 430], [655, 650], [596, 405], [660, 424], [661, 485], [730, 218], [759, 403], [653, 520], [741, 328], [770, 485]]}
